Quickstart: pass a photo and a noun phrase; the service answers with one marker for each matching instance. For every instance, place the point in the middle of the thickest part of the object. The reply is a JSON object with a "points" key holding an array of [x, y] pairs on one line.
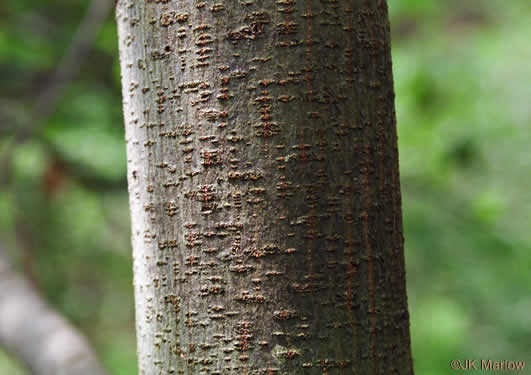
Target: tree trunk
{"points": [[264, 187], [36, 334]]}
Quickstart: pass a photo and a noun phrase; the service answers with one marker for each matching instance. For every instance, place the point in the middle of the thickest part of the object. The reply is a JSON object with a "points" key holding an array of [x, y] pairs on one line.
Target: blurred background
{"points": [[463, 83]]}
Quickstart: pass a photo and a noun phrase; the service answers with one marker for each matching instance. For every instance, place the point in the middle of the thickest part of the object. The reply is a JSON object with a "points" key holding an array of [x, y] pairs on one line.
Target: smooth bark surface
{"points": [[264, 187], [36, 334]]}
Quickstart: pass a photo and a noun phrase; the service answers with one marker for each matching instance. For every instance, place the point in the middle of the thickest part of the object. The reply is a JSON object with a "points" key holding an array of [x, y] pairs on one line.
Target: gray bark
{"points": [[264, 187], [36, 334]]}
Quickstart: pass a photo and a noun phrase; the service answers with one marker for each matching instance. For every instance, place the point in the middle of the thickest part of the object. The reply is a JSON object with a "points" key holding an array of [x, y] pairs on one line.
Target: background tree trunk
{"points": [[36, 334], [264, 187]]}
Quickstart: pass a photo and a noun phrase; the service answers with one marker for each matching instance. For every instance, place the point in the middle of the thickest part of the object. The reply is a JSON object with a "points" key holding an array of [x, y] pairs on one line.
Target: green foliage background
{"points": [[463, 84]]}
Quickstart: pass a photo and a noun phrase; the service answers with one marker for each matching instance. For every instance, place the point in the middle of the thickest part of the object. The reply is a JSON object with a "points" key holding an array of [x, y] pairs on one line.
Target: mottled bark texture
{"points": [[264, 188], [36, 334]]}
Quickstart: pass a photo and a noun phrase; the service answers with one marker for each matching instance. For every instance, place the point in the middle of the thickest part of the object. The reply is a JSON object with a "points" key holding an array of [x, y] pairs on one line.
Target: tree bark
{"points": [[264, 187], [36, 334]]}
